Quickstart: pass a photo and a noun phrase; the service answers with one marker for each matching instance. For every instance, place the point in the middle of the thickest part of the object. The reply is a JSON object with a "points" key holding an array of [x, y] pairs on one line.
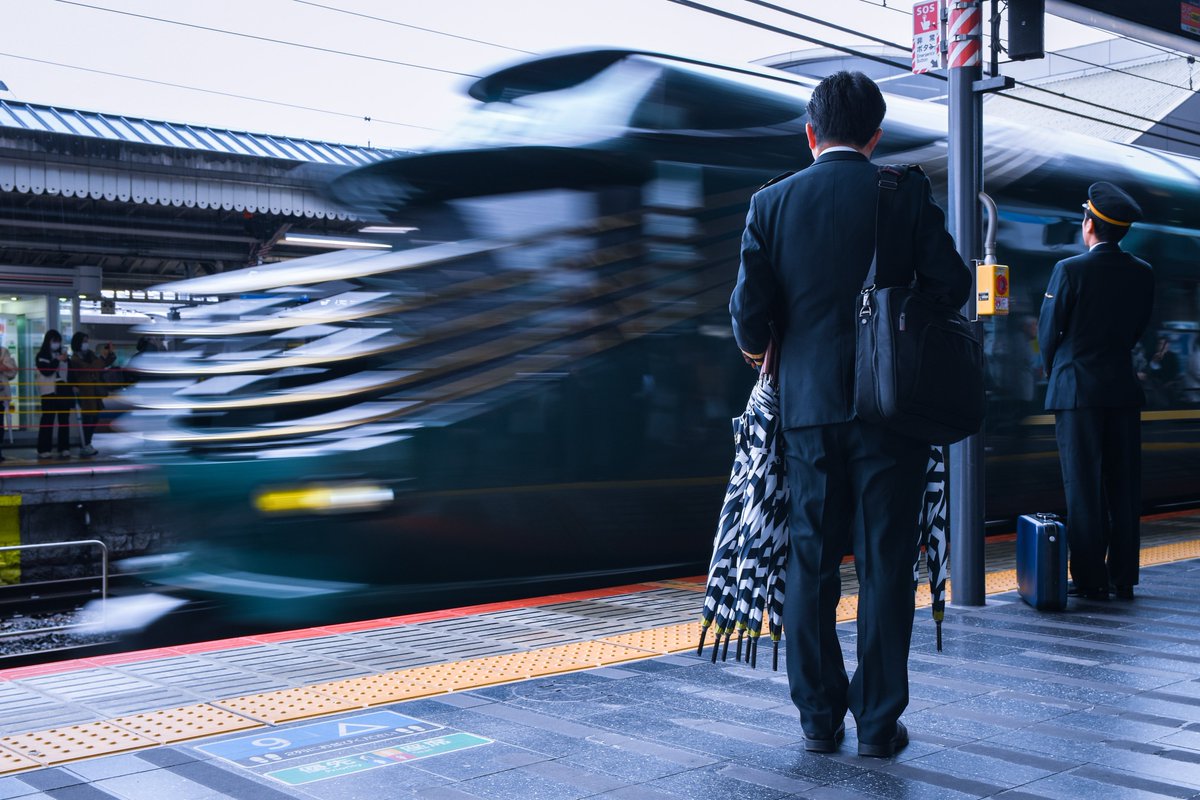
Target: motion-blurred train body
{"points": [[534, 387]]}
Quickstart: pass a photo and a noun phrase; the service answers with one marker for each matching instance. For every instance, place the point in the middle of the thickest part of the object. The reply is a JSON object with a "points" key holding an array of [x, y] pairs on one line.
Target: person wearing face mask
{"points": [[8, 371], [51, 368], [87, 380]]}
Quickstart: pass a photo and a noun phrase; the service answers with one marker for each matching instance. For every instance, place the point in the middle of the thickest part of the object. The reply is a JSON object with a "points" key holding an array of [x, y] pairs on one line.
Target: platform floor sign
{"points": [[396, 754], [285, 744]]}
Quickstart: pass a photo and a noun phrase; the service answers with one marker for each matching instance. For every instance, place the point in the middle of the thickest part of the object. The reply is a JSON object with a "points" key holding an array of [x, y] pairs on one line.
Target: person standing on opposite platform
{"points": [[806, 251], [1096, 309], [86, 376], [8, 371], [56, 397]]}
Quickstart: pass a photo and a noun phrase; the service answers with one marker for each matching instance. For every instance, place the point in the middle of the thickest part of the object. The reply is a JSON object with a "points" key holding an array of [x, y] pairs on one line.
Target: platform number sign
{"points": [[927, 37], [286, 744]]}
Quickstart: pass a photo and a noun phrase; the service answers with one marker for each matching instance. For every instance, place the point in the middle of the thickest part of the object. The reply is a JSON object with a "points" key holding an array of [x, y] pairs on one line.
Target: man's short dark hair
{"points": [[1106, 231], [846, 108]]}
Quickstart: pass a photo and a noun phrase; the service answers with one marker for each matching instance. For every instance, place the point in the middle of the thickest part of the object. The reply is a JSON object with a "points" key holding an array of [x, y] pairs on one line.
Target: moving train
{"points": [[532, 387]]}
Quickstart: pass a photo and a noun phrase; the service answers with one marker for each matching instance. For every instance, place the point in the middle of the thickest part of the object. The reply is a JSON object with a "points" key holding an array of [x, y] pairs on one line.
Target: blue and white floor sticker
{"points": [[332, 744]]}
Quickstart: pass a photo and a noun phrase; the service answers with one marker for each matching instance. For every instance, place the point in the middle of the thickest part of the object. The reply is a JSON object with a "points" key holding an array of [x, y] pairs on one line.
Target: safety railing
{"points": [[103, 583]]}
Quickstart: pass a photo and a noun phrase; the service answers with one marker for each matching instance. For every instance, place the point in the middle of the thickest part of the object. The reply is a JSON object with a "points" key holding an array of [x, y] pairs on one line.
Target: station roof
{"points": [[112, 127], [144, 199], [1093, 85]]}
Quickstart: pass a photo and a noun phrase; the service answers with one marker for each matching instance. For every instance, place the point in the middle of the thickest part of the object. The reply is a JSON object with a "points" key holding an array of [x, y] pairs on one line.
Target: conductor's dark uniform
{"points": [[1096, 308], [806, 251]]}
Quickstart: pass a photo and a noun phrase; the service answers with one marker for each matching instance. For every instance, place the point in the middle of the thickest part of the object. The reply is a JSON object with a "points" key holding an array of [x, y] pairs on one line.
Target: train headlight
{"points": [[323, 498]]}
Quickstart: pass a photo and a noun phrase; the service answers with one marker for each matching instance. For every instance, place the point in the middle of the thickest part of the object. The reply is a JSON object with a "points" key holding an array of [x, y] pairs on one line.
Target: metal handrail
{"points": [[103, 582]]}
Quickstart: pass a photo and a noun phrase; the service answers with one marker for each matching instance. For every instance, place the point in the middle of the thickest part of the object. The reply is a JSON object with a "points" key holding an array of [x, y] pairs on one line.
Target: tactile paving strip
{"points": [[1176, 551], [467, 674], [13, 762], [670, 639], [187, 722], [599, 652], [59, 745], [374, 690], [286, 705]]}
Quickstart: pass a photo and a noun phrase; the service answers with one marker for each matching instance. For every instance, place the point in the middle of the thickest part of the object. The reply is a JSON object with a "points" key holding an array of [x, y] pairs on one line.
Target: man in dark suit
{"points": [[1096, 309], [806, 250]]}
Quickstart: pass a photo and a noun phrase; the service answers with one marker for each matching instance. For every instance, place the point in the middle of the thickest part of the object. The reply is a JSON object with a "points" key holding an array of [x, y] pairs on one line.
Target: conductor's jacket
{"points": [[806, 251], [1096, 308]]}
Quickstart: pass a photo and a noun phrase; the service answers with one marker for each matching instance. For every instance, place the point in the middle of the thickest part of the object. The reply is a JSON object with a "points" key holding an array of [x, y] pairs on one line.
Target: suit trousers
{"points": [[1101, 454], [855, 487]]}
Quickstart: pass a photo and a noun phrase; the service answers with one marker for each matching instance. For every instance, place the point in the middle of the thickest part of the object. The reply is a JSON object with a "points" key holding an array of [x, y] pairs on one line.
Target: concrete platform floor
{"points": [[1102, 701]]}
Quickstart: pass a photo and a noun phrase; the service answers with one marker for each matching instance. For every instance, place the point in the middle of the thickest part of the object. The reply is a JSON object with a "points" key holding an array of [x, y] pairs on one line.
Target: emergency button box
{"points": [[991, 290]]}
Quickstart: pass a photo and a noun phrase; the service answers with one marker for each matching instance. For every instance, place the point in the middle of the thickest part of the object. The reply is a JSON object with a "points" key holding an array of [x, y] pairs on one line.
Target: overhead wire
{"points": [[1118, 69], [298, 106], [413, 27], [255, 37], [881, 59]]}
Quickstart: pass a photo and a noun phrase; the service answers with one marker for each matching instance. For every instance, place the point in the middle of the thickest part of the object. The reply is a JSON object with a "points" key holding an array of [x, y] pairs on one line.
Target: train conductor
{"points": [[1095, 311]]}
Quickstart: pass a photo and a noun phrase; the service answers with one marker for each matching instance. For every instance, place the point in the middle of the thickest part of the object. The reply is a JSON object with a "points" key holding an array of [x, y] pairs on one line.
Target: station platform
{"points": [[601, 694]]}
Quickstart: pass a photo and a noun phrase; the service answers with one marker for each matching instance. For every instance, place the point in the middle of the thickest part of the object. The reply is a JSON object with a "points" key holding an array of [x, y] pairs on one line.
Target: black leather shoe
{"points": [[1088, 592], [830, 745], [886, 749], [1124, 592]]}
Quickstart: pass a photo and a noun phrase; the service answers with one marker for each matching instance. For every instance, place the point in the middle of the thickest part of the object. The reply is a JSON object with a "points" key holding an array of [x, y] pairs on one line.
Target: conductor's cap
{"points": [[1112, 204]]}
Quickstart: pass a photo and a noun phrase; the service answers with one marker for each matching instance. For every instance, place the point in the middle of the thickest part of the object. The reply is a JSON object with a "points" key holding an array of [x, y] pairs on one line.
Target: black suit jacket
{"points": [[805, 254], [1096, 308]]}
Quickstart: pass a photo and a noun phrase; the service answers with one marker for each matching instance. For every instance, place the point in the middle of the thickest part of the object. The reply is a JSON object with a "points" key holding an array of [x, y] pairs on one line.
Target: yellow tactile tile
{"points": [[71, 743], [552, 660], [668, 639], [374, 690], [186, 722], [454, 675], [847, 608], [286, 704], [14, 762], [1164, 553], [598, 653]]}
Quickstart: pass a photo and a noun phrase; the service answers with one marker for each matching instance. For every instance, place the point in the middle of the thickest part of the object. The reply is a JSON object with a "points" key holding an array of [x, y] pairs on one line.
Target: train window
{"points": [[686, 100]]}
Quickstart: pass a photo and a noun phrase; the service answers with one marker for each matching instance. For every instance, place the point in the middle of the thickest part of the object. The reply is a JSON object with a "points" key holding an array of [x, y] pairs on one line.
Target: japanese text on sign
{"points": [[927, 37]]}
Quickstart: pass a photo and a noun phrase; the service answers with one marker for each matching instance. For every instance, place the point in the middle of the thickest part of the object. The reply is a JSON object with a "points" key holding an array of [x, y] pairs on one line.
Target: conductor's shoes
{"points": [[817, 745], [1124, 592], [1088, 592], [886, 749]]}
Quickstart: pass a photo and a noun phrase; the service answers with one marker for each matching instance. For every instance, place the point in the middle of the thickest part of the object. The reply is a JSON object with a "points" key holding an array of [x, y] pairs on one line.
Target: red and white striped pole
{"points": [[964, 34], [964, 176]]}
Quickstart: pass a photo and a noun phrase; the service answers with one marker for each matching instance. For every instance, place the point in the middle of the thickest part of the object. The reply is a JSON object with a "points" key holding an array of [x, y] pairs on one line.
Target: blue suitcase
{"points": [[1042, 561]]}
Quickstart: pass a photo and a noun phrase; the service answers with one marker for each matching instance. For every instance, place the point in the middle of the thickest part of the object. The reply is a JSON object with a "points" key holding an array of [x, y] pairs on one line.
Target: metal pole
{"points": [[964, 175]]}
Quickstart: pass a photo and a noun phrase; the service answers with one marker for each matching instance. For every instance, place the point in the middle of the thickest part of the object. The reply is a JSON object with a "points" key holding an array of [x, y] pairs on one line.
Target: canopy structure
{"points": [[147, 200]]}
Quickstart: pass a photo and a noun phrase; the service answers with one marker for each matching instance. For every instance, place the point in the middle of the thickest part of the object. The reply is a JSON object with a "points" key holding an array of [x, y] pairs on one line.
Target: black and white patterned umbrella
{"points": [[722, 570], [935, 535], [746, 574]]}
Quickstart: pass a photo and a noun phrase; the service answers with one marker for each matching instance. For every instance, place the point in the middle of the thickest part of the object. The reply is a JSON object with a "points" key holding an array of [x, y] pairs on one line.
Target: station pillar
{"points": [[964, 40]]}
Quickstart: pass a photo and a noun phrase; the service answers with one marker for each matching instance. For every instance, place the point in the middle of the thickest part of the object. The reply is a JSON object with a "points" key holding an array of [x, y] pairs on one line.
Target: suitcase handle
{"points": [[1044, 517]]}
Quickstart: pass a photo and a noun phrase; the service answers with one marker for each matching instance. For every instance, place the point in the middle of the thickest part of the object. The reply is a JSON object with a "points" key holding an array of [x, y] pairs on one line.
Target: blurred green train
{"points": [[533, 389]]}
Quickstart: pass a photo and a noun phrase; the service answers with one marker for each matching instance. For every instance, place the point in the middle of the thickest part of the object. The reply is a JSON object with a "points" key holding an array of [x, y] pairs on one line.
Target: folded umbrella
{"points": [[935, 536], [746, 573]]}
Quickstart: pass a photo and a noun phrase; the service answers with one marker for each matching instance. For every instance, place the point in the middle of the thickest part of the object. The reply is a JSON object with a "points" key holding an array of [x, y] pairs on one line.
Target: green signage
{"points": [[396, 754]]}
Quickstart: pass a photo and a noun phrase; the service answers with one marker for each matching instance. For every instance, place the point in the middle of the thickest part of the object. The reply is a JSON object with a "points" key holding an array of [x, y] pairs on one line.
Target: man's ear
{"points": [[870, 148], [812, 136]]}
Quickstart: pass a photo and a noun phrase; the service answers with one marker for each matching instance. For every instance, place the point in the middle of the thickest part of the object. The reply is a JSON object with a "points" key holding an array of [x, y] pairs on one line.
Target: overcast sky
{"points": [[360, 81]]}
